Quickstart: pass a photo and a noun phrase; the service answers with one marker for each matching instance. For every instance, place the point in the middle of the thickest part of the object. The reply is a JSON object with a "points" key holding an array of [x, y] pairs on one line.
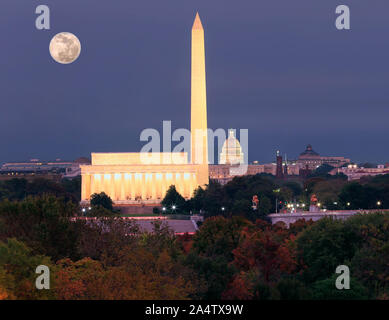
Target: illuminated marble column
{"points": [[83, 187], [182, 184], [122, 187], [92, 185], [88, 186], [137, 184], [154, 186], [147, 185], [179, 183], [101, 183], [169, 181], [117, 185], [131, 185], [187, 185], [112, 186], [98, 181], [174, 180], [165, 183], [192, 183], [159, 185], [143, 186]]}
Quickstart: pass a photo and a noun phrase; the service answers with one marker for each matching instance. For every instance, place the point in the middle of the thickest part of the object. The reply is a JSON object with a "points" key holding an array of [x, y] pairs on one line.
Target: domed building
{"points": [[310, 159], [309, 153], [231, 151]]}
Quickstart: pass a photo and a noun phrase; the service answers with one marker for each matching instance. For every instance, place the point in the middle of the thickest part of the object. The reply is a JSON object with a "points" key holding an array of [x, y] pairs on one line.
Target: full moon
{"points": [[65, 47]]}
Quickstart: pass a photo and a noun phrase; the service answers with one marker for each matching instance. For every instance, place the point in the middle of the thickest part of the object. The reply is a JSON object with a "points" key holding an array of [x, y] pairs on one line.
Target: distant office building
{"points": [[35, 166], [353, 172]]}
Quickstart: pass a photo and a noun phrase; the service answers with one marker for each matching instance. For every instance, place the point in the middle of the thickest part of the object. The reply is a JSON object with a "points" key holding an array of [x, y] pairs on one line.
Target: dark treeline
{"points": [[20, 188], [229, 258], [236, 254], [235, 198]]}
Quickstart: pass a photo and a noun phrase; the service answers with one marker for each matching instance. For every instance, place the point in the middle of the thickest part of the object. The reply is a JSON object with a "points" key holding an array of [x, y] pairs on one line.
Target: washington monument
{"points": [[199, 149]]}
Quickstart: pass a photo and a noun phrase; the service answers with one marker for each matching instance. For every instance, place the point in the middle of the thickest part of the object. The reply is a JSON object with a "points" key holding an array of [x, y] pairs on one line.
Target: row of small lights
{"points": [[319, 204], [173, 207], [223, 208], [297, 205], [348, 203]]}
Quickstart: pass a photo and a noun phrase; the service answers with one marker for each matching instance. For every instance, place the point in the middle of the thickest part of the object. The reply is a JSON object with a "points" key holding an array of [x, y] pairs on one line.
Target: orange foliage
{"points": [[238, 289], [267, 251], [3, 294]]}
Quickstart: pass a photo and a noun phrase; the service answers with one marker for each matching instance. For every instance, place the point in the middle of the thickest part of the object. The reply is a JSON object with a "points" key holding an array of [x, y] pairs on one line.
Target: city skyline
{"points": [[262, 77]]}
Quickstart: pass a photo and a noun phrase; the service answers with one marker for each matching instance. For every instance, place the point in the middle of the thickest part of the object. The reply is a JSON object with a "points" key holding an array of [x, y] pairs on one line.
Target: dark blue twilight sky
{"points": [[279, 68]]}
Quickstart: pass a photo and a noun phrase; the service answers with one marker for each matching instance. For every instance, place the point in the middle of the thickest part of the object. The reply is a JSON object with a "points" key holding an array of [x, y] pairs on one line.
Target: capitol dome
{"points": [[231, 150]]}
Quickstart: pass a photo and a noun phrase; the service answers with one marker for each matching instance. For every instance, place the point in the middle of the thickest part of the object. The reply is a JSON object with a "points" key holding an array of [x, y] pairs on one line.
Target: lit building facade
{"points": [[353, 172], [126, 179]]}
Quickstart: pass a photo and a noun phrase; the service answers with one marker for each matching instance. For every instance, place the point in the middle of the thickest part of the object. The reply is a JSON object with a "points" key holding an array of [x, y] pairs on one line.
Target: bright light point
{"points": [[174, 207]]}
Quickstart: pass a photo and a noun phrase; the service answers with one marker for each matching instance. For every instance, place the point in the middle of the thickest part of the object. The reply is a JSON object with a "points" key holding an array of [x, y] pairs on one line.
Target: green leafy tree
{"points": [[357, 196], [264, 207], [322, 170], [211, 253], [101, 199], [327, 192], [42, 223], [323, 246], [293, 289], [17, 271], [326, 290], [173, 201]]}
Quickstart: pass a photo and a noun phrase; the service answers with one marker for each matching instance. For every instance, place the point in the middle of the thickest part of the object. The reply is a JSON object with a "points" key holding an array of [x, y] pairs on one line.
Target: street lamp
{"points": [[348, 204], [379, 203], [163, 209], [223, 208]]}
